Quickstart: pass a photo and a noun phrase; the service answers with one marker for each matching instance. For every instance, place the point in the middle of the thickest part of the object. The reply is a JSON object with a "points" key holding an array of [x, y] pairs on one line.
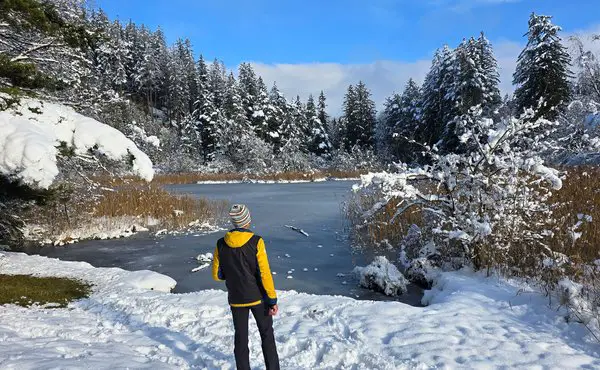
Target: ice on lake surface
{"points": [[313, 207]]}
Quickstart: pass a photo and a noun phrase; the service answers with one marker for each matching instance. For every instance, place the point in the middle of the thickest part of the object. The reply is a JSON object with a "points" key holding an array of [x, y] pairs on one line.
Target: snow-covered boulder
{"points": [[422, 272], [150, 280], [382, 276], [204, 257], [32, 132]]}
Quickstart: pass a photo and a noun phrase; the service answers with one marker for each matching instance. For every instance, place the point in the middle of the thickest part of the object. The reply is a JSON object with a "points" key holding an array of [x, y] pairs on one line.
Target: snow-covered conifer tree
{"points": [[542, 74]]}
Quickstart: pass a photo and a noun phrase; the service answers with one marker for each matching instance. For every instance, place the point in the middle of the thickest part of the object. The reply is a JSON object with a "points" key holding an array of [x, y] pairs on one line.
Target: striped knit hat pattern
{"points": [[240, 215]]}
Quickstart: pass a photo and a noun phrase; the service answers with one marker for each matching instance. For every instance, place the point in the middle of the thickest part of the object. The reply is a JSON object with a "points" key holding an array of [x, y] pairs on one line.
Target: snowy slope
{"points": [[31, 133], [470, 323]]}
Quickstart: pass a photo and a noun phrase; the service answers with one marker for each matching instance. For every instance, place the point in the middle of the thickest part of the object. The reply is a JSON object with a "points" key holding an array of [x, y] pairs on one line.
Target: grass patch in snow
{"points": [[27, 290]]}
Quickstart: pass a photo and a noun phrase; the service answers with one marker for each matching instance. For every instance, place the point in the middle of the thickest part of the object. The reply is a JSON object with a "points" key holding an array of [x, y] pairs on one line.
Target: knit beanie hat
{"points": [[240, 215]]}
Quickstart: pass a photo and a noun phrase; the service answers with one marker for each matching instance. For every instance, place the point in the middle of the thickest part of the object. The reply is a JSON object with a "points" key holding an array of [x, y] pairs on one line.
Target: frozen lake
{"points": [[313, 207]]}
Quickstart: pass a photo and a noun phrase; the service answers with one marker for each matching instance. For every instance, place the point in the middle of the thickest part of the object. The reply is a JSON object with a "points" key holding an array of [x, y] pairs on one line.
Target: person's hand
{"points": [[273, 310]]}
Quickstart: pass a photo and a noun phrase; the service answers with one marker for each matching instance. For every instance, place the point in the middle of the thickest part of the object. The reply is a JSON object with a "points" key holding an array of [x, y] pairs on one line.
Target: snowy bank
{"points": [[31, 134], [471, 323], [250, 181]]}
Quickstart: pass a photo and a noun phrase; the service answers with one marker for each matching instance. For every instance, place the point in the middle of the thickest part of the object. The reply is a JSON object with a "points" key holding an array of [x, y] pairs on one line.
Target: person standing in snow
{"points": [[240, 259]]}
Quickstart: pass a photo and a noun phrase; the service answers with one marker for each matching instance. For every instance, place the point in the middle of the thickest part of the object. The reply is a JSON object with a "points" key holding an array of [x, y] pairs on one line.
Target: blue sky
{"points": [[300, 40], [341, 31]]}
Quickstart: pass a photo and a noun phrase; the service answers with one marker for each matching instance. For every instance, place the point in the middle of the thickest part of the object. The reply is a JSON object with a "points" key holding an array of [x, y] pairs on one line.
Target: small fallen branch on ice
{"points": [[297, 230], [161, 232], [201, 267]]}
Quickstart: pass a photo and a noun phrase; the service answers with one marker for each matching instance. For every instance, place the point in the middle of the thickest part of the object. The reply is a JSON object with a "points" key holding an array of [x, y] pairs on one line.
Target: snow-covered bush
{"points": [[34, 134], [43, 143], [487, 206], [578, 134], [355, 160], [382, 276]]}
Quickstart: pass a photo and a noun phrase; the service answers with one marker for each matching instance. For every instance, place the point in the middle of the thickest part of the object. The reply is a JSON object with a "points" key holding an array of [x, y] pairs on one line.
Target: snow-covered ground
{"points": [[470, 322]]}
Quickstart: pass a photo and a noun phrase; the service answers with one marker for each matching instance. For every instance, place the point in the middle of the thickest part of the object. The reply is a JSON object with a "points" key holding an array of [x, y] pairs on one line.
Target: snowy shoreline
{"points": [[250, 181], [470, 322]]}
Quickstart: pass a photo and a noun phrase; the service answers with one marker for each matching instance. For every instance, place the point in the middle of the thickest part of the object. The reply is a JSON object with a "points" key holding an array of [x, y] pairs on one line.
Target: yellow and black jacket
{"points": [[241, 261]]}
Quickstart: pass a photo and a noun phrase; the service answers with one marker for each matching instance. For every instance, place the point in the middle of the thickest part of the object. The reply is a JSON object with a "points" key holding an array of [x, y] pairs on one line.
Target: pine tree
{"points": [[408, 124], [317, 136], [489, 75], [261, 111], [439, 105], [386, 127], [299, 130], [322, 109], [542, 74], [179, 96], [217, 83], [278, 110], [360, 115], [399, 123], [206, 113], [252, 95]]}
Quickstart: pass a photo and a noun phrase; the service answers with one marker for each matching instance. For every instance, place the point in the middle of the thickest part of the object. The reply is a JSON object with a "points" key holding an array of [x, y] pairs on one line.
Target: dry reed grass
{"points": [[579, 197], [382, 229], [151, 201]]}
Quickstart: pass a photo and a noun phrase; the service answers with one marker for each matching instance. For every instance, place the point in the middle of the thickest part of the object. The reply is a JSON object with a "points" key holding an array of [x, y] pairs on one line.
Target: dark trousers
{"points": [[265, 328]]}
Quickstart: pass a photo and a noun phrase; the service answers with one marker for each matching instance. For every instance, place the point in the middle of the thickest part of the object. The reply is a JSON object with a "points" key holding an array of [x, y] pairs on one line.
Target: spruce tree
{"points": [[360, 115], [207, 115], [386, 126], [292, 140], [276, 117], [490, 76], [261, 111], [438, 102], [406, 127], [317, 135], [542, 74], [217, 83], [322, 109]]}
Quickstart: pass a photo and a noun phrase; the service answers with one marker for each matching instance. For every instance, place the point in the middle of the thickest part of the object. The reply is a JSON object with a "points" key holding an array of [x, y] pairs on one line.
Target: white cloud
{"points": [[382, 77]]}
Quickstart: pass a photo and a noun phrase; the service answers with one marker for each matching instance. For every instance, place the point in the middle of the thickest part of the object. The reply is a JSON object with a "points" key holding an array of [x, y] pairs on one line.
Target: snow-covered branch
{"points": [[26, 54]]}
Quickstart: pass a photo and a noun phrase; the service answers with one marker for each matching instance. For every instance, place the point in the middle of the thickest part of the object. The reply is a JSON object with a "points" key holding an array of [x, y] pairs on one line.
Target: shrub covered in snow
{"points": [[479, 204], [382, 276], [34, 134]]}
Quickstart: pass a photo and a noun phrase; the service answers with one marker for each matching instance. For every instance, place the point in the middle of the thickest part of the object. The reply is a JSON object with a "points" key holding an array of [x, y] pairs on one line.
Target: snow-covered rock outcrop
{"points": [[32, 132], [382, 276]]}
